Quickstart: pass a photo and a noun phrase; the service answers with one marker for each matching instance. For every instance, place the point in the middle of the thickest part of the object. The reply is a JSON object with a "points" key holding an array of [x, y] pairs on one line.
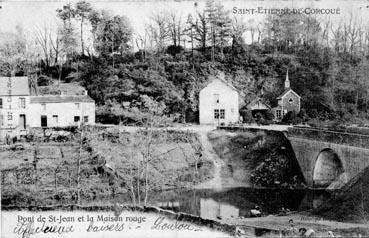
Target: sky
{"points": [[34, 14]]}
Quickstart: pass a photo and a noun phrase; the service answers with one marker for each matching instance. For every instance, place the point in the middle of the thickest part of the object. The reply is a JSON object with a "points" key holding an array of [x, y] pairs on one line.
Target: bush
{"points": [[272, 171], [173, 50], [269, 116], [291, 118]]}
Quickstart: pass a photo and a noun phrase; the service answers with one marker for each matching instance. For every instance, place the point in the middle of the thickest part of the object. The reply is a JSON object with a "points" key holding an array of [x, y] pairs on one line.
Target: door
{"points": [[219, 116], [22, 121], [43, 121]]}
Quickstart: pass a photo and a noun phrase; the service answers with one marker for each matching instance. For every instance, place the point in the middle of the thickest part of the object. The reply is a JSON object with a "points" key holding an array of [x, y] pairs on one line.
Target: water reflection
{"points": [[237, 202], [211, 209]]}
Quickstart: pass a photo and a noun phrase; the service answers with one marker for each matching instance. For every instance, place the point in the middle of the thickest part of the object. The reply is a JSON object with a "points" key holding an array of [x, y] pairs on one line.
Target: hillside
{"points": [[108, 163], [127, 77], [352, 200]]}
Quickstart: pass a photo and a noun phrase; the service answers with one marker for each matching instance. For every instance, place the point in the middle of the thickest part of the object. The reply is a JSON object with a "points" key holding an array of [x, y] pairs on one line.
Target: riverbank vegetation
{"points": [[168, 63], [352, 200], [257, 159], [102, 163]]}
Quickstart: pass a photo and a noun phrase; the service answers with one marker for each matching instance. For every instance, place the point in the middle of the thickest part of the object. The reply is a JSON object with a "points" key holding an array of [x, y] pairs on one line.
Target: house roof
{"points": [[64, 88], [19, 86], [286, 92], [255, 101], [277, 107], [221, 79], [227, 83], [61, 99]]}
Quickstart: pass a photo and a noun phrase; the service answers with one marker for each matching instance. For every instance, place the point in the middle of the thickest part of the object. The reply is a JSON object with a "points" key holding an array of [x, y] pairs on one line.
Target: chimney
{"points": [[85, 92], [287, 82]]}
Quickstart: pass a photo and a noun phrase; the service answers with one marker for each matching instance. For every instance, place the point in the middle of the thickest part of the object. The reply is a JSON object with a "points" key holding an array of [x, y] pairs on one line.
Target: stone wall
{"points": [[354, 159]]}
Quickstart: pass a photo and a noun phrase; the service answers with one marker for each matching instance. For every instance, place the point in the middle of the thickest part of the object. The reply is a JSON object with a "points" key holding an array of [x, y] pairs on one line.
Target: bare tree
{"points": [[159, 30], [175, 27], [42, 36], [141, 41]]}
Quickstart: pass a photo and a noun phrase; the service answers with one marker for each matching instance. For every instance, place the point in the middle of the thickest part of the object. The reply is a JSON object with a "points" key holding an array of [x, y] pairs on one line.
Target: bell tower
{"points": [[287, 82]]}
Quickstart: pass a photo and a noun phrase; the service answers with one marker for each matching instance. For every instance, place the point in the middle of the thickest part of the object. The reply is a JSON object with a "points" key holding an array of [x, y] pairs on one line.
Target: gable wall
{"points": [[294, 106], [228, 100]]}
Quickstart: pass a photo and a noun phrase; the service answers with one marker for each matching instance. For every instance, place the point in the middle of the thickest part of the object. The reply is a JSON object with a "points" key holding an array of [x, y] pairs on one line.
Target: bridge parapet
{"points": [[337, 137]]}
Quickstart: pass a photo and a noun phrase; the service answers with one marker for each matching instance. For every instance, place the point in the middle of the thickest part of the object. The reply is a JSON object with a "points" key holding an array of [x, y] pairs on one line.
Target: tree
{"points": [[189, 31], [175, 27], [113, 35], [238, 29], [220, 26], [159, 30], [82, 11], [201, 30], [67, 34], [17, 54]]}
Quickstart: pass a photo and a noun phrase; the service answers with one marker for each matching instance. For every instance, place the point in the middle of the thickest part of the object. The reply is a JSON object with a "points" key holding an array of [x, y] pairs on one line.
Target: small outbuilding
{"points": [[258, 106]]}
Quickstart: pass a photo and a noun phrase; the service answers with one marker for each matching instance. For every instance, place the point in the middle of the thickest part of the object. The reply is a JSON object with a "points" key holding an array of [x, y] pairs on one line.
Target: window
{"points": [[85, 119], [216, 114], [10, 116], [76, 118], [222, 113], [77, 105], [55, 119], [290, 100], [278, 113], [1, 103], [43, 105], [216, 98], [1, 120], [22, 102], [219, 114]]}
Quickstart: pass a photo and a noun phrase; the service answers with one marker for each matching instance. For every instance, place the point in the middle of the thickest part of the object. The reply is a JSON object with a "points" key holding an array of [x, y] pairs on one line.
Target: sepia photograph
{"points": [[184, 118]]}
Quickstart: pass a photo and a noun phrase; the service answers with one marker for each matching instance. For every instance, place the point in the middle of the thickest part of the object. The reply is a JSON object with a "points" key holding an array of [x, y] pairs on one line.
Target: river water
{"points": [[235, 202]]}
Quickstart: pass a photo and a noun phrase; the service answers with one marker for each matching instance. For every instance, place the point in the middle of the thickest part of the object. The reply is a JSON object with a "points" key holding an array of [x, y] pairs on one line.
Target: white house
{"points": [[61, 111], [14, 105], [218, 102], [19, 110]]}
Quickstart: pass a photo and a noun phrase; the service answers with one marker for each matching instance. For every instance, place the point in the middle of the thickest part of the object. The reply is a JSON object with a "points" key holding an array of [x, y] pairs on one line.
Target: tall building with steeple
{"points": [[288, 101]]}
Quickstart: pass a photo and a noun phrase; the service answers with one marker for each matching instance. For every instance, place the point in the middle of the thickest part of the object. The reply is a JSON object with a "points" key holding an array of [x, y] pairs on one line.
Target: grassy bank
{"points": [[101, 163]]}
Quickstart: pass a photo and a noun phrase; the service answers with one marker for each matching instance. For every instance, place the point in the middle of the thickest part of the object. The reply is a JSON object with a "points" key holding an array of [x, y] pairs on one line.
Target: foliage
{"points": [[275, 171], [328, 64]]}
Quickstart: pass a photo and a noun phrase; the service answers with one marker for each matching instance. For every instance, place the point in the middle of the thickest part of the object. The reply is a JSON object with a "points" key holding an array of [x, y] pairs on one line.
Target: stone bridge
{"points": [[326, 158]]}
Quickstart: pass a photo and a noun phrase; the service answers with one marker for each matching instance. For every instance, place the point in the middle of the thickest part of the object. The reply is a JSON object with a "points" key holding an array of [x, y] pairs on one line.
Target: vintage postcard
{"points": [[184, 118]]}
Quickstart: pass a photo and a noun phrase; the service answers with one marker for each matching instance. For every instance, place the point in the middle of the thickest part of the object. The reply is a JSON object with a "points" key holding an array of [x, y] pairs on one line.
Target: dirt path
{"points": [[220, 180], [209, 152]]}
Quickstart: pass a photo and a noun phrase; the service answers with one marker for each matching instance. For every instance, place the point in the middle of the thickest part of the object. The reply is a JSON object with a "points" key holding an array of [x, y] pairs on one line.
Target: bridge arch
{"points": [[327, 168]]}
